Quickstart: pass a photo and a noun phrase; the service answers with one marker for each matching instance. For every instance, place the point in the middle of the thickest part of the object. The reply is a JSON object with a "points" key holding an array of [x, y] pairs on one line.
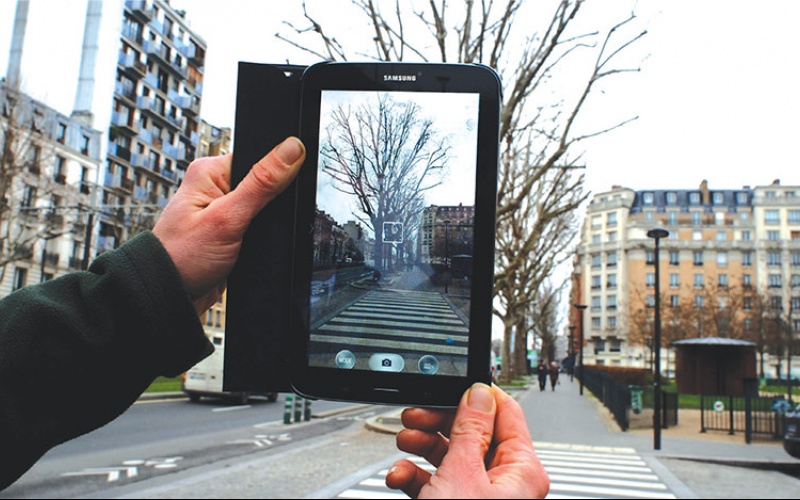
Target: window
{"points": [[650, 301], [599, 346], [60, 170], [597, 323], [772, 217], [697, 218], [651, 257], [648, 198], [794, 216], [612, 303], [722, 259], [719, 198], [612, 281], [673, 218], [722, 280], [723, 302], [674, 258], [698, 257], [61, 133], [795, 235], [722, 236], [719, 217], [742, 198], [795, 259], [29, 195], [774, 258], [795, 304], [747, 280], [699, 301], [674, 280], [596, 239], [747, 303], [747, 259], [612, 259], [795, 281], [672, 198], [776, 303], [612, 219], [597, 261], [698, 281], [597, 223], [651, 280], [775, 281], [748, 325], [774, 235], [771, 194], [674, 300], [596, 304], [20, 279], [596, 283], [747, 236], [612, 237], [612, 322], [694, 198], [697, 236]]}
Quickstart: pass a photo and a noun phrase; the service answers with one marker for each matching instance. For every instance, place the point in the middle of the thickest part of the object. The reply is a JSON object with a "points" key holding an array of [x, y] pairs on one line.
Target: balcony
{"points": [[75, 263], [132, 66], [125, 123], [140, 9], [51, 259], [119, 151], [141, 161]]}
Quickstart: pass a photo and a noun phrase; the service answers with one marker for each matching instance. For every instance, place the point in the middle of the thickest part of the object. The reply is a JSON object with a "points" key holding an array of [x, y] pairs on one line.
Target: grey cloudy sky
{"points": [[716, 99]]}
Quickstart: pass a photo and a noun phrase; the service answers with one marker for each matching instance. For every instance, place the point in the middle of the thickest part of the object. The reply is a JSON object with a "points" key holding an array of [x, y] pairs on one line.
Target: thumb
{"points": [[472, 431], [269, 177]]}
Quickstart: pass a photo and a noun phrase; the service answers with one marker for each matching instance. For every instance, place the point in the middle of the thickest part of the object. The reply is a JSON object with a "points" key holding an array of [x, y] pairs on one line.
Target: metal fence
{"points": [[754, 417], [615, 396]]}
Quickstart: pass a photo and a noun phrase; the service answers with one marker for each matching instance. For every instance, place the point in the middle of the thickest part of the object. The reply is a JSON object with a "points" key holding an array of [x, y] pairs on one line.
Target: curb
{"points": [[155, 396]]}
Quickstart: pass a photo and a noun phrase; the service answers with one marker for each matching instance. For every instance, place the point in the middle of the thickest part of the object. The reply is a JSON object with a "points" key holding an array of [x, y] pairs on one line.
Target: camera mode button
{"points": [[386, 363]]}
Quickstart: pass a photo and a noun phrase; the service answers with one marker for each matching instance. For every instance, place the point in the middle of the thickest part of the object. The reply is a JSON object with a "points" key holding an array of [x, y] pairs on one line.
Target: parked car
{"points": [[791, 439]]}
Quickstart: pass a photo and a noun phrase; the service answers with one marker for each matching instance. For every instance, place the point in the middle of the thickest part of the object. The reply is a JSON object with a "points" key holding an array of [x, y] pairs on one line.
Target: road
{"points": [[160, 437]]}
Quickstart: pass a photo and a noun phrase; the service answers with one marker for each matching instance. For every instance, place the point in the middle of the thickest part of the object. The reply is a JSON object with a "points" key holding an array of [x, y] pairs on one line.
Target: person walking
{"points": [[541, 371], [553, 375]]}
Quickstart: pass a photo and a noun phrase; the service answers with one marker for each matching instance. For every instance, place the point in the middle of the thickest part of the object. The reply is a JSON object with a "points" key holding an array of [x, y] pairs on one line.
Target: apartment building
{"points": [[155, 127], [723, 247]]}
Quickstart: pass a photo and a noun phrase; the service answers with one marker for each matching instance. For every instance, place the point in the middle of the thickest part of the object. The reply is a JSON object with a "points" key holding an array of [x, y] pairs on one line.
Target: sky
{"points": [[716, 97]]}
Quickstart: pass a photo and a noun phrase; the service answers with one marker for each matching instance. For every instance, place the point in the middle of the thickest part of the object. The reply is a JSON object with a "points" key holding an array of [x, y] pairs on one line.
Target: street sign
{"points": [[392, 232], [719, 406]]}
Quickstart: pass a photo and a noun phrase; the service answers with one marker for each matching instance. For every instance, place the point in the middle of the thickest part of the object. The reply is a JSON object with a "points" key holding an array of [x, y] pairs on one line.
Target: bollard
{"points": [[306, 410], [287, 410], [298, 413]]}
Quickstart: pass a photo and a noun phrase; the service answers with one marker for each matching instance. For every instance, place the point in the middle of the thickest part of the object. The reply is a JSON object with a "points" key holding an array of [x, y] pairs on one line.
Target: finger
{"points": [[268, 178], [406, 476], [511, 424], [472, 433], [431, 447], [428, 420]]}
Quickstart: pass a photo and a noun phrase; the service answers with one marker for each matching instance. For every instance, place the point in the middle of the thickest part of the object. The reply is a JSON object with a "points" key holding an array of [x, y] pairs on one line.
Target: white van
{"points": [[205, 378]]}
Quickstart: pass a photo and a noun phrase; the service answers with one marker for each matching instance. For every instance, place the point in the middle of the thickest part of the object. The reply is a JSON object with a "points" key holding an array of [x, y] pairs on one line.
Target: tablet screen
{"points": [[393, 232]]}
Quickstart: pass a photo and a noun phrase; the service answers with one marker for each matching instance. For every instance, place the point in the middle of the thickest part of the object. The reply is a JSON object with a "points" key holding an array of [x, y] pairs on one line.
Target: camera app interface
{"points": [[394, 231]]}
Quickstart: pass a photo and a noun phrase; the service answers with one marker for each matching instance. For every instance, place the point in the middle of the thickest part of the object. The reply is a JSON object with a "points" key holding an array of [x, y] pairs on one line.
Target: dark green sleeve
{"points": [[76, 352]]}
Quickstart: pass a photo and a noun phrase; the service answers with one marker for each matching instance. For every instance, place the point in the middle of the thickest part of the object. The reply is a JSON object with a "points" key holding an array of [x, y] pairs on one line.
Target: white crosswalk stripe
{"points": [[421, 322], [575, 472]]}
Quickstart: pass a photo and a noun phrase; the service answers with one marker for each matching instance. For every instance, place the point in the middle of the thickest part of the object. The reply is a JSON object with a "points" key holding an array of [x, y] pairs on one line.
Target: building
{"points": [[445, 230], [214, 141], [726, 248], [155, 127]]}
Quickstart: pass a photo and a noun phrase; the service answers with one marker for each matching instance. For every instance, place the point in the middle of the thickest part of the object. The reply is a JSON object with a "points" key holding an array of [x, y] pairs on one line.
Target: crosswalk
{"points": [[575, 472], [397, 321]]}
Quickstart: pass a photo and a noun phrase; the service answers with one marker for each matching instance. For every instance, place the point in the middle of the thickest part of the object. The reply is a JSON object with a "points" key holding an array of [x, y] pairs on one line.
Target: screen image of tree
{"points": [[394, 232]]}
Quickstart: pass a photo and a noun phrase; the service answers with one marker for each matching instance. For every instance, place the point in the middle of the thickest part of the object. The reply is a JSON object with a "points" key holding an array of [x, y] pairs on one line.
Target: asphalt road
{"points": [[159, 437]]}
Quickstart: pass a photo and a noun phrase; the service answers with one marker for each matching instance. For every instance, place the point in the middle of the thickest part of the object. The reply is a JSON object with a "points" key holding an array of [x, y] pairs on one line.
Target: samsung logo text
{"points": [[399, 78]]}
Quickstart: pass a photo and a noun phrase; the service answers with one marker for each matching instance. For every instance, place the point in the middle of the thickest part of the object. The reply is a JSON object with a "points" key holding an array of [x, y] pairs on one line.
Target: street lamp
{"points": [[571, 353], [581, 308], [657, 233], [446, 254]]}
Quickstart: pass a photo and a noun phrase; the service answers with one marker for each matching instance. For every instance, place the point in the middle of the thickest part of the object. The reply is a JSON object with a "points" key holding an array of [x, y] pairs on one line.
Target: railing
{"points": [[755, 417], [615, 396]]}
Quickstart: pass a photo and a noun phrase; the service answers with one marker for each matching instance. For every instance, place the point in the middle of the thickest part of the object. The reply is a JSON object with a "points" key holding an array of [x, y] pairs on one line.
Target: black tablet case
{"points": [[259, 288]]}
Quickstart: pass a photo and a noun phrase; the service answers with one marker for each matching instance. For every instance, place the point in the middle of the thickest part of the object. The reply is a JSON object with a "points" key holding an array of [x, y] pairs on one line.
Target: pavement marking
{"points": [[231, 408], [575, 472]]}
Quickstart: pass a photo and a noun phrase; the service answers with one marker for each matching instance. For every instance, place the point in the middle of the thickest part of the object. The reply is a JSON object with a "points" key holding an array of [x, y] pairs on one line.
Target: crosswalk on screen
{"points": [[394, 232]]}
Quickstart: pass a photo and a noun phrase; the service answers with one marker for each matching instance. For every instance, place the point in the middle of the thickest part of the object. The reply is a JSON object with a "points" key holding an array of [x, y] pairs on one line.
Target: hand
{"points": [[484, 450], [202, 227]]}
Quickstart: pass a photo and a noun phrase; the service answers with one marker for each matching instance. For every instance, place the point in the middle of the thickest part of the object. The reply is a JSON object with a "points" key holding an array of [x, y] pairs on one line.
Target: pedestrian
{"points": [[553, 375], [94, 341], [541, 372]]}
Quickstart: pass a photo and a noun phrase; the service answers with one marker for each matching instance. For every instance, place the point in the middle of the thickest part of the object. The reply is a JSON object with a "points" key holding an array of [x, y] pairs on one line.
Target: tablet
{"points": [[395, 231]]}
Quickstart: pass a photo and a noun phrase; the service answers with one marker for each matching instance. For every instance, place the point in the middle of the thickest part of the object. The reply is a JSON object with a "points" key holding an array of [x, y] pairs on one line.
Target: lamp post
{"points": [[580, 308], [446, 254], [571, 353], [657, 233]]}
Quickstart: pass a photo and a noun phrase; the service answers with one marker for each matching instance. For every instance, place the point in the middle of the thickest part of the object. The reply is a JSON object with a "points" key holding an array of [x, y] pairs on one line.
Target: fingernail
{"points": [[481, 398], [392, 470], [290, 150]]}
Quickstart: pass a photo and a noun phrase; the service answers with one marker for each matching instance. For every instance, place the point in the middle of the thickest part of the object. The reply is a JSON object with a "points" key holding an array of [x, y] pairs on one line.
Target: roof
{"points": [[714, 341]]}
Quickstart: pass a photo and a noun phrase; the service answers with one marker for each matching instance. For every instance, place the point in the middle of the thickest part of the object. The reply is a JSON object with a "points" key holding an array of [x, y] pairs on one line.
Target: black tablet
{"points": [[395, 231]]}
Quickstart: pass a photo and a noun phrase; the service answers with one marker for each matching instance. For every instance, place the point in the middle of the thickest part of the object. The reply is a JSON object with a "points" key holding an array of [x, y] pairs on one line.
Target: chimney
{"points": [[14, 74], [82, 111], [705, 192]]}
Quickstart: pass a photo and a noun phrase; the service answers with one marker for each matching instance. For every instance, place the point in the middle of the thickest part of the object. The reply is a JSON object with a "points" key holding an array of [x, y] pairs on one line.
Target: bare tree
{"points": [[537, 187], [35, 203], [387, 156]]}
